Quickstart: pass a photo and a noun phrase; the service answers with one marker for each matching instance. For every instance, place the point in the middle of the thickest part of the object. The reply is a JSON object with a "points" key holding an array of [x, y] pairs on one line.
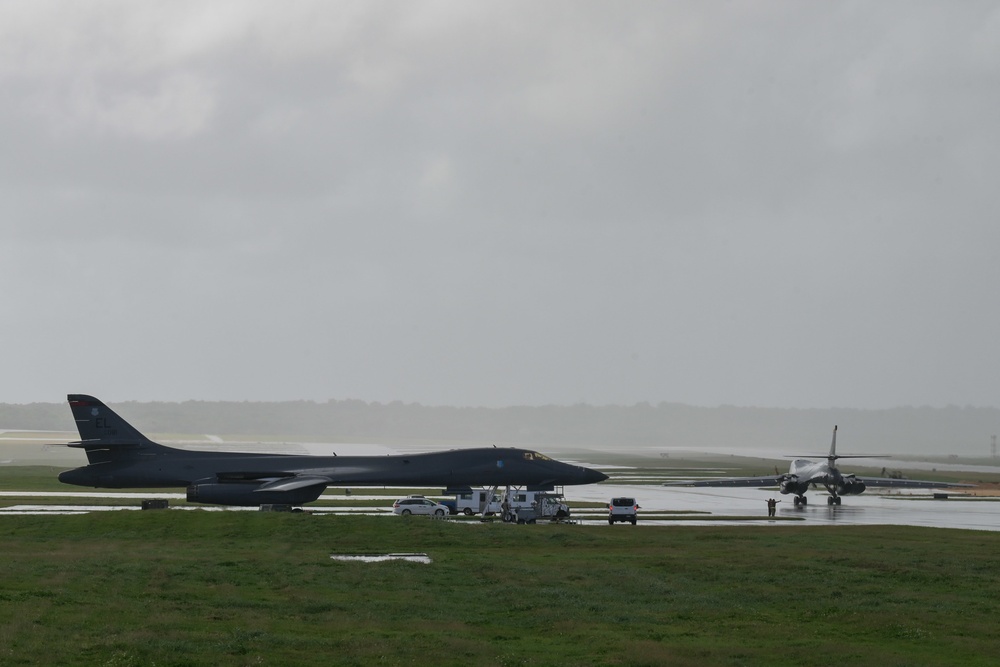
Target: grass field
{"points": [[250, 588], [254, 588]]}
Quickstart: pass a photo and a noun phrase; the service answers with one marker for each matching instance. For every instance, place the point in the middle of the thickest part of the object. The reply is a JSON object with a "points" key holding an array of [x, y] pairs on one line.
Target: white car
{"points": [[417, 505]]}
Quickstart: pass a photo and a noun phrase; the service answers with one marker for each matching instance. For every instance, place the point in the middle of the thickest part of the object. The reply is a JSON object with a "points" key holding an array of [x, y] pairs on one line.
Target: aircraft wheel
{"points": [[829, 501], [837, 501], [406, 512], [804, 499], [468, 511], [438, 512], [796, 500]]}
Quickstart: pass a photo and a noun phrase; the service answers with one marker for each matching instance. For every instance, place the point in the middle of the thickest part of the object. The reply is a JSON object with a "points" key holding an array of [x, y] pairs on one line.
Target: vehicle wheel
{"points": [[468, 511], [611, 522], [520, 522], [633, 521], [406, 512], [439, 512]]}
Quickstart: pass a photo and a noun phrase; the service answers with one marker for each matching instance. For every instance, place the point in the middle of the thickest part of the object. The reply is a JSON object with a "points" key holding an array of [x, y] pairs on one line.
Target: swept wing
{"points": [[910, 483], [772, 480], [294, 483]]}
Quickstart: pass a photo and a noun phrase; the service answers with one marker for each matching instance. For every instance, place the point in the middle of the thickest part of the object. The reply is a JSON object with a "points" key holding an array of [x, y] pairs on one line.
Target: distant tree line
{"points": [[919, 430]]}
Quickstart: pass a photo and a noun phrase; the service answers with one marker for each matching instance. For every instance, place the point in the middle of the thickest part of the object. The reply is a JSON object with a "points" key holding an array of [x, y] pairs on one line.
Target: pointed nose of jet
{"points": [[591, 476]]}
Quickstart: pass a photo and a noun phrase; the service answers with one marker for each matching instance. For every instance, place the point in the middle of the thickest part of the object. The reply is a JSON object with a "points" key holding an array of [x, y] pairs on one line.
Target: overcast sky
{"points": [[781, 204]]}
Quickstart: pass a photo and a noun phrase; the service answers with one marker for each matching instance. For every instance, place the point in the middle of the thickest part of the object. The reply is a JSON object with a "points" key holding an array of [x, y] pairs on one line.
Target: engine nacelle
{"points": [[791, 484], [245, 494], [852, 487]]}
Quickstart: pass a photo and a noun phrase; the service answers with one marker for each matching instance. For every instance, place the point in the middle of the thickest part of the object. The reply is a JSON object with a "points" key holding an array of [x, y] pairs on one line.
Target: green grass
{"points": [[33, 478], [249, 588]]}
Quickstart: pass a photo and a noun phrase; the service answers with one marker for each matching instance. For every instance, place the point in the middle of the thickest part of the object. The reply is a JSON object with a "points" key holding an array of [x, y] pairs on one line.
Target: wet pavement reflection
{"points": [[659, 504], [898, 508]]}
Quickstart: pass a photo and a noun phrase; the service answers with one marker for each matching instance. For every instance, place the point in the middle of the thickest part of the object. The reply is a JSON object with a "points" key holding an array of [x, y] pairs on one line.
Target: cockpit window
{"points": [[535, 456]]}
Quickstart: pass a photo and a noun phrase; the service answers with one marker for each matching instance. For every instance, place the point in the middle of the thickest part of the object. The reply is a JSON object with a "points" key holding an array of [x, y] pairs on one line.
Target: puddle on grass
{"points": [[379, 558]]}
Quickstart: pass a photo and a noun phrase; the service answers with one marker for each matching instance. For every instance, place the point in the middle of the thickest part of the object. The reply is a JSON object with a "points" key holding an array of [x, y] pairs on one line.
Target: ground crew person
{"points": [[772, 505]]}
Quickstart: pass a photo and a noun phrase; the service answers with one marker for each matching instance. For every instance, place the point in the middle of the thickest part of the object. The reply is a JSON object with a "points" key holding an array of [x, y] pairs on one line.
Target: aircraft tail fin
{"points": [[833, 455], [103, 434], [98, 423]]}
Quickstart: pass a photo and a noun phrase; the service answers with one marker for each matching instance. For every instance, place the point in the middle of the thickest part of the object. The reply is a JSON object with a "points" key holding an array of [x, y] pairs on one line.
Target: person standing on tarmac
{"points": [[772, 505]]}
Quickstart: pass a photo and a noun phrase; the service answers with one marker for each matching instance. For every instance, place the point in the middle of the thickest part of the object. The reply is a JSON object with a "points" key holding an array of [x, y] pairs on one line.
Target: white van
{"points": [[623, 509]]}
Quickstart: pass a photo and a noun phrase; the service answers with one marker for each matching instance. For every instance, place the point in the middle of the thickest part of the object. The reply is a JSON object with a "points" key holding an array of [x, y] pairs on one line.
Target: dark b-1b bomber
{"points": [[122, 457]]}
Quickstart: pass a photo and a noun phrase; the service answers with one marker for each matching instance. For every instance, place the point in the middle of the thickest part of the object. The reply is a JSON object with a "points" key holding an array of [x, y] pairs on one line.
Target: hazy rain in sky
{"points": [[501, 203]]}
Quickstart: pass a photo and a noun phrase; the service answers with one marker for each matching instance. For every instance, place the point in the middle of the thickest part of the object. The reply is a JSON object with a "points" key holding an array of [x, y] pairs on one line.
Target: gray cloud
{"points": [[501, 203]]}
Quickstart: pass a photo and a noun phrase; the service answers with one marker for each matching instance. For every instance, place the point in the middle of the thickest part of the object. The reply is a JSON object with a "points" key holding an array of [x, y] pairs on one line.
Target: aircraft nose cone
{"points": [[591, 476]]}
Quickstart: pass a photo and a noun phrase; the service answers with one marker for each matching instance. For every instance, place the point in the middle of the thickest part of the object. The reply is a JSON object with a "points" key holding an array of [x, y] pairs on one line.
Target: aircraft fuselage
{"points": [[802, 473], [478, 467]]}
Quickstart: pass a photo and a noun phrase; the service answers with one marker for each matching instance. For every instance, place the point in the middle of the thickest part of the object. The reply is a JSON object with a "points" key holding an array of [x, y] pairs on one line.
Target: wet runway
{"points": [[915, 508]]}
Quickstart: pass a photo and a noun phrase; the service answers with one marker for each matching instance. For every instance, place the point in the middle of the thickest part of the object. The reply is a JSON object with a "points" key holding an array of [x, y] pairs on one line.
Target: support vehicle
{"points": [[623, 509]]}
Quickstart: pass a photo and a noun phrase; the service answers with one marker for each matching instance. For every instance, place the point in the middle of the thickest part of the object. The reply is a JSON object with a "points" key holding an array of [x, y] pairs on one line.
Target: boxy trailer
{"points": [[511, 503]]}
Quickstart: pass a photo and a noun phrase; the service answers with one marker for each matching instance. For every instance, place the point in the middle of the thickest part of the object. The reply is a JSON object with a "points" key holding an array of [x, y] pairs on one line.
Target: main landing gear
{"points": [[803, 501]]}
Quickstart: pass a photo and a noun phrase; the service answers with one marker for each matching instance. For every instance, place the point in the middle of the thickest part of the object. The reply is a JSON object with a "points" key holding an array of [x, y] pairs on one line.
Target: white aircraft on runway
{"points": [[802, 473]]}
